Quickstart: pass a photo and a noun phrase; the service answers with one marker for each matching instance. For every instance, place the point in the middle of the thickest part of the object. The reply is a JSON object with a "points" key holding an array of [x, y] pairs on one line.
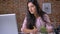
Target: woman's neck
{"points": [[36, 15]]}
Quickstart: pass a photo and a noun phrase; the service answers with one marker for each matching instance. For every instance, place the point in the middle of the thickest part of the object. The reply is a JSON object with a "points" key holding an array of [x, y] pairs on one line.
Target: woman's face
{"points": [[32, 8]]}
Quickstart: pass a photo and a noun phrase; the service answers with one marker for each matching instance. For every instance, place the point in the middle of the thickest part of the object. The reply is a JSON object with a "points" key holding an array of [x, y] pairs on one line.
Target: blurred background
{"points": [[19, 7]]}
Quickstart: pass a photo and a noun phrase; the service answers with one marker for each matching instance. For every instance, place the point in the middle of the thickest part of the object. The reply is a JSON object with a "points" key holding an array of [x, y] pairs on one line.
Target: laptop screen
{"points": [[8, 24]]}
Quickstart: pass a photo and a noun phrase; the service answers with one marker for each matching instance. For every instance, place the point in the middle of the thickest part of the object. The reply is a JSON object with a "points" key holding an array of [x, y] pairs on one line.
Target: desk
{"points": [[38, 33]]}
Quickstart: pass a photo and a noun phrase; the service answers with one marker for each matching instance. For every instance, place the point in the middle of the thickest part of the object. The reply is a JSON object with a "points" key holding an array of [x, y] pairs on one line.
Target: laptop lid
{"points": [[8, 24]]}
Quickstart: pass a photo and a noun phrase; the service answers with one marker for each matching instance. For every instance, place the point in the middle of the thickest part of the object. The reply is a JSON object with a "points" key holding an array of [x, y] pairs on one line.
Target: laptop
{"points": [[8, 24]]}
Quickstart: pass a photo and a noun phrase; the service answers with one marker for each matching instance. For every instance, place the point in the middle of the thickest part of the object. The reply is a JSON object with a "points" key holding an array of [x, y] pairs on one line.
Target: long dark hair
{"points": [[30, 17]]}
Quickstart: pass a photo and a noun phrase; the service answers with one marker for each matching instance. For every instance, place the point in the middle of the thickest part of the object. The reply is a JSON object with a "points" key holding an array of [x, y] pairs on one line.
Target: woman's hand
{"points": [[49, 28], [35, 30]]}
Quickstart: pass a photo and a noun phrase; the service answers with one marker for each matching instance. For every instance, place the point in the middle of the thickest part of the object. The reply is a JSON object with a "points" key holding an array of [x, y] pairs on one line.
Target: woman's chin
{"points": [[32, 13]]}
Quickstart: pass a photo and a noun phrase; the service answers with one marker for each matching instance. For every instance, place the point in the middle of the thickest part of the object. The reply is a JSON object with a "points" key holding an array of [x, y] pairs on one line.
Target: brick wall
{"points": [[19, 7], [55, 11]]}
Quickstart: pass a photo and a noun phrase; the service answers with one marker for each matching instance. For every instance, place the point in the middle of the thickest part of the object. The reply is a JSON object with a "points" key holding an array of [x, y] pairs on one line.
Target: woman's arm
{"points": [[49, 27], [24, 28]]}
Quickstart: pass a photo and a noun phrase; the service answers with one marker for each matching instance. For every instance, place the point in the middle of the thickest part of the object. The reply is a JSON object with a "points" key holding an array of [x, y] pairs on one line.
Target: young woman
{"points": [[35, 19]]}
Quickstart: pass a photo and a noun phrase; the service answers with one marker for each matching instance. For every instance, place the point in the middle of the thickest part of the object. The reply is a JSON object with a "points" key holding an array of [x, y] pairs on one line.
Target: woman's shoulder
{"points": [[25, 17], [45, 15]]}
